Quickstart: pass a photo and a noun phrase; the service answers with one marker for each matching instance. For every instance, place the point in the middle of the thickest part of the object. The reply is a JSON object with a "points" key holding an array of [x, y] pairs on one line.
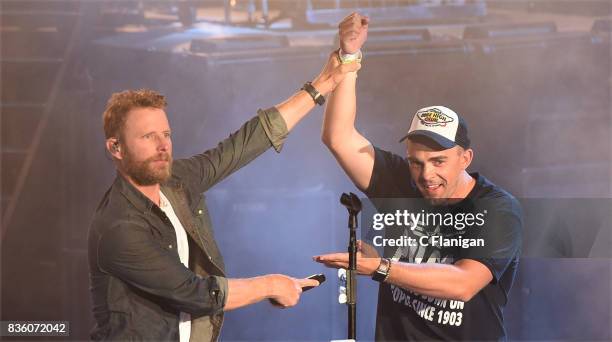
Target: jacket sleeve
{"points": [[129, 252], [258, 134]]}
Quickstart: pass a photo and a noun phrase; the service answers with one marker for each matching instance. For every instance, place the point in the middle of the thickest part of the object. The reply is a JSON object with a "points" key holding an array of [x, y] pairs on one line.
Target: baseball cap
{"points": [[441, 125]]}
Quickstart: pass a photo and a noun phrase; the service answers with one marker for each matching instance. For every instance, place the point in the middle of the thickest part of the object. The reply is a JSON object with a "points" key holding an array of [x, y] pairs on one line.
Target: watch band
{"points": [[314, 93], [382, 272]]}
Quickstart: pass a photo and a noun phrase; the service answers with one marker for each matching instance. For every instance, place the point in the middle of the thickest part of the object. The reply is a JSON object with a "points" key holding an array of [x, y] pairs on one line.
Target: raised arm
{"points": [[297, 106], [269, 128], [352, 150]]}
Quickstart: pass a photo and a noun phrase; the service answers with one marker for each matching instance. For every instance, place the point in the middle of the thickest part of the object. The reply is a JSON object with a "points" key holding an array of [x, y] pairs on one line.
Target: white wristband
{"points": [[349, 57]]}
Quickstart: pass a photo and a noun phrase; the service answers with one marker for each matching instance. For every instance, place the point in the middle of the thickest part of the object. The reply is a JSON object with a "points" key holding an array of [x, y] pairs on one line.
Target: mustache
{"points": [[160, 157]]}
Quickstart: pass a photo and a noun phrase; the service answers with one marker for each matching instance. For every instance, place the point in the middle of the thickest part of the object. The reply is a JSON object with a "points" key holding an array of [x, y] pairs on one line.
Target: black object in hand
{"points": [[318, 277]]}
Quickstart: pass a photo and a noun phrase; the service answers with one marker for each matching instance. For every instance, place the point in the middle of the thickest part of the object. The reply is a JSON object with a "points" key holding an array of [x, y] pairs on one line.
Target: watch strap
{"points": [[382, 272], [314, 93]]}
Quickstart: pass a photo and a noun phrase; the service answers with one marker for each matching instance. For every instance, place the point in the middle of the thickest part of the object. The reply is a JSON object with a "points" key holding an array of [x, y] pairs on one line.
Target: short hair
{"points": [[120, 104]]}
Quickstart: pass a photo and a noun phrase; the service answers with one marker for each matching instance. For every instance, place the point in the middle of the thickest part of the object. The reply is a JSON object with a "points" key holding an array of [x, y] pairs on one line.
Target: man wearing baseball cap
{"points": [[427, 292]]}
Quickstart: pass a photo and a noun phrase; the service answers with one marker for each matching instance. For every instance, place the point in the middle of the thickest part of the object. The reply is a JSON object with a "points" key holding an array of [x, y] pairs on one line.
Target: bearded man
{"points": [[156, 272]]}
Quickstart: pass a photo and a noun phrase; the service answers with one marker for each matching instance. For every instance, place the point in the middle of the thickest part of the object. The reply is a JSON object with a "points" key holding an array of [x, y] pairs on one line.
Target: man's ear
{"points": [[466, 158], [113, 147]]}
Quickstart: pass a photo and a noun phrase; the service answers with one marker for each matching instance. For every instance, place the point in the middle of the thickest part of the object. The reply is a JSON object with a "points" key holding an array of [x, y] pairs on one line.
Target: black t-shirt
{"points": [[405, 315]]}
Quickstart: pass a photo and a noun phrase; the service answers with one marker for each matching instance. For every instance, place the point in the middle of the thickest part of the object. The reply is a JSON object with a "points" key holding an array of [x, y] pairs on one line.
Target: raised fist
{"points": [[353, 32]]}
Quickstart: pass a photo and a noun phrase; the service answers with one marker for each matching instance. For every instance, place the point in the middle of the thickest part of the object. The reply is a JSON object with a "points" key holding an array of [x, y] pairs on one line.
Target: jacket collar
{"points": [[133, 195]]}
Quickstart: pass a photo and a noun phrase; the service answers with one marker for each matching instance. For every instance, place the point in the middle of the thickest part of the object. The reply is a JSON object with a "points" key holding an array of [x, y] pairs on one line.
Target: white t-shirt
{"points": [[182, 246]]}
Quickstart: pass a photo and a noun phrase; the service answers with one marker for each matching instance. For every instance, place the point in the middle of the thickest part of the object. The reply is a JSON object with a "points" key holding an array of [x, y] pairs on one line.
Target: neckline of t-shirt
{"points": [[477, 186]]}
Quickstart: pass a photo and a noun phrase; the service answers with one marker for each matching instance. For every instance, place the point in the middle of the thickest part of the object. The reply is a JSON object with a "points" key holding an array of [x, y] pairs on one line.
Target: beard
{"points": [[145, 172]]}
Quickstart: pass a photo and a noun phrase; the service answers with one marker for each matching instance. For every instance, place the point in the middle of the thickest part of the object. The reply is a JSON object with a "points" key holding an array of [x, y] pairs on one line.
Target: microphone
{"points": [[351, 202]]}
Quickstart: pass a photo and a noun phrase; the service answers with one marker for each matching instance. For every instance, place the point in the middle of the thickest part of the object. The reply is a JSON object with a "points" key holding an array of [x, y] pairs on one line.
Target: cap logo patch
{"points": [[433, 118]]}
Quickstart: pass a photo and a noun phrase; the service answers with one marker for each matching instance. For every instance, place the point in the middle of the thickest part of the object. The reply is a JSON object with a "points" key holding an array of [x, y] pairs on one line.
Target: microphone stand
{"points": [[353, 205]]}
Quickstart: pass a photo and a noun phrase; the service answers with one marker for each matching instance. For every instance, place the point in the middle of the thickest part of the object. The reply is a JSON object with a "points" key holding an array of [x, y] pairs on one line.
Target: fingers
{"points": [[349, 33], [353, 31], [331, 262], [350, 67], [286, 291], [275, 303], [347, 19], [342, 70], [333, 257], [352, 26], [333, 61], [298, 289], [307, 282], [335, 264], [355, 19], [335, 260]]}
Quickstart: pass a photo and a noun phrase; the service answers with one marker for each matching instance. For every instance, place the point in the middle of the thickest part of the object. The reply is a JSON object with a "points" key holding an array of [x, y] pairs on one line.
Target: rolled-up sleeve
{"points": [[128, 252], [220, 293], [275, 127]]}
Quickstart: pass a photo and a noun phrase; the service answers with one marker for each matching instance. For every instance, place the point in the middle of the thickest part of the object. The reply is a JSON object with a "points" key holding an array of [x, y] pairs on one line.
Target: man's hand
{"points": [[333, 73], [367, 259], [296, 107], [353, 31], [286, 291]]}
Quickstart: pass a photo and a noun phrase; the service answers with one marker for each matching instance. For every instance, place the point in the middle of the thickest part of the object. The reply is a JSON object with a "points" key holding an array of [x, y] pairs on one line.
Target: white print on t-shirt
{"points": [[436, 310], [418, 253], [440, 311]]}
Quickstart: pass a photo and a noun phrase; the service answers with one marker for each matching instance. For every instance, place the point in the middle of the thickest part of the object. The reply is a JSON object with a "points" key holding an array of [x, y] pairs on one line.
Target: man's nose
{"points": [[428, 172], [163, 143]]}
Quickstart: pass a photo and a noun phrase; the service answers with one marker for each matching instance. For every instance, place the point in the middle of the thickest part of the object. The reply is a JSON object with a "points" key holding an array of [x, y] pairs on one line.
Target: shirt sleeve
{"points": [[223, 288], [128, 252], [501, 234], [202, 171], [390, 176]]}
